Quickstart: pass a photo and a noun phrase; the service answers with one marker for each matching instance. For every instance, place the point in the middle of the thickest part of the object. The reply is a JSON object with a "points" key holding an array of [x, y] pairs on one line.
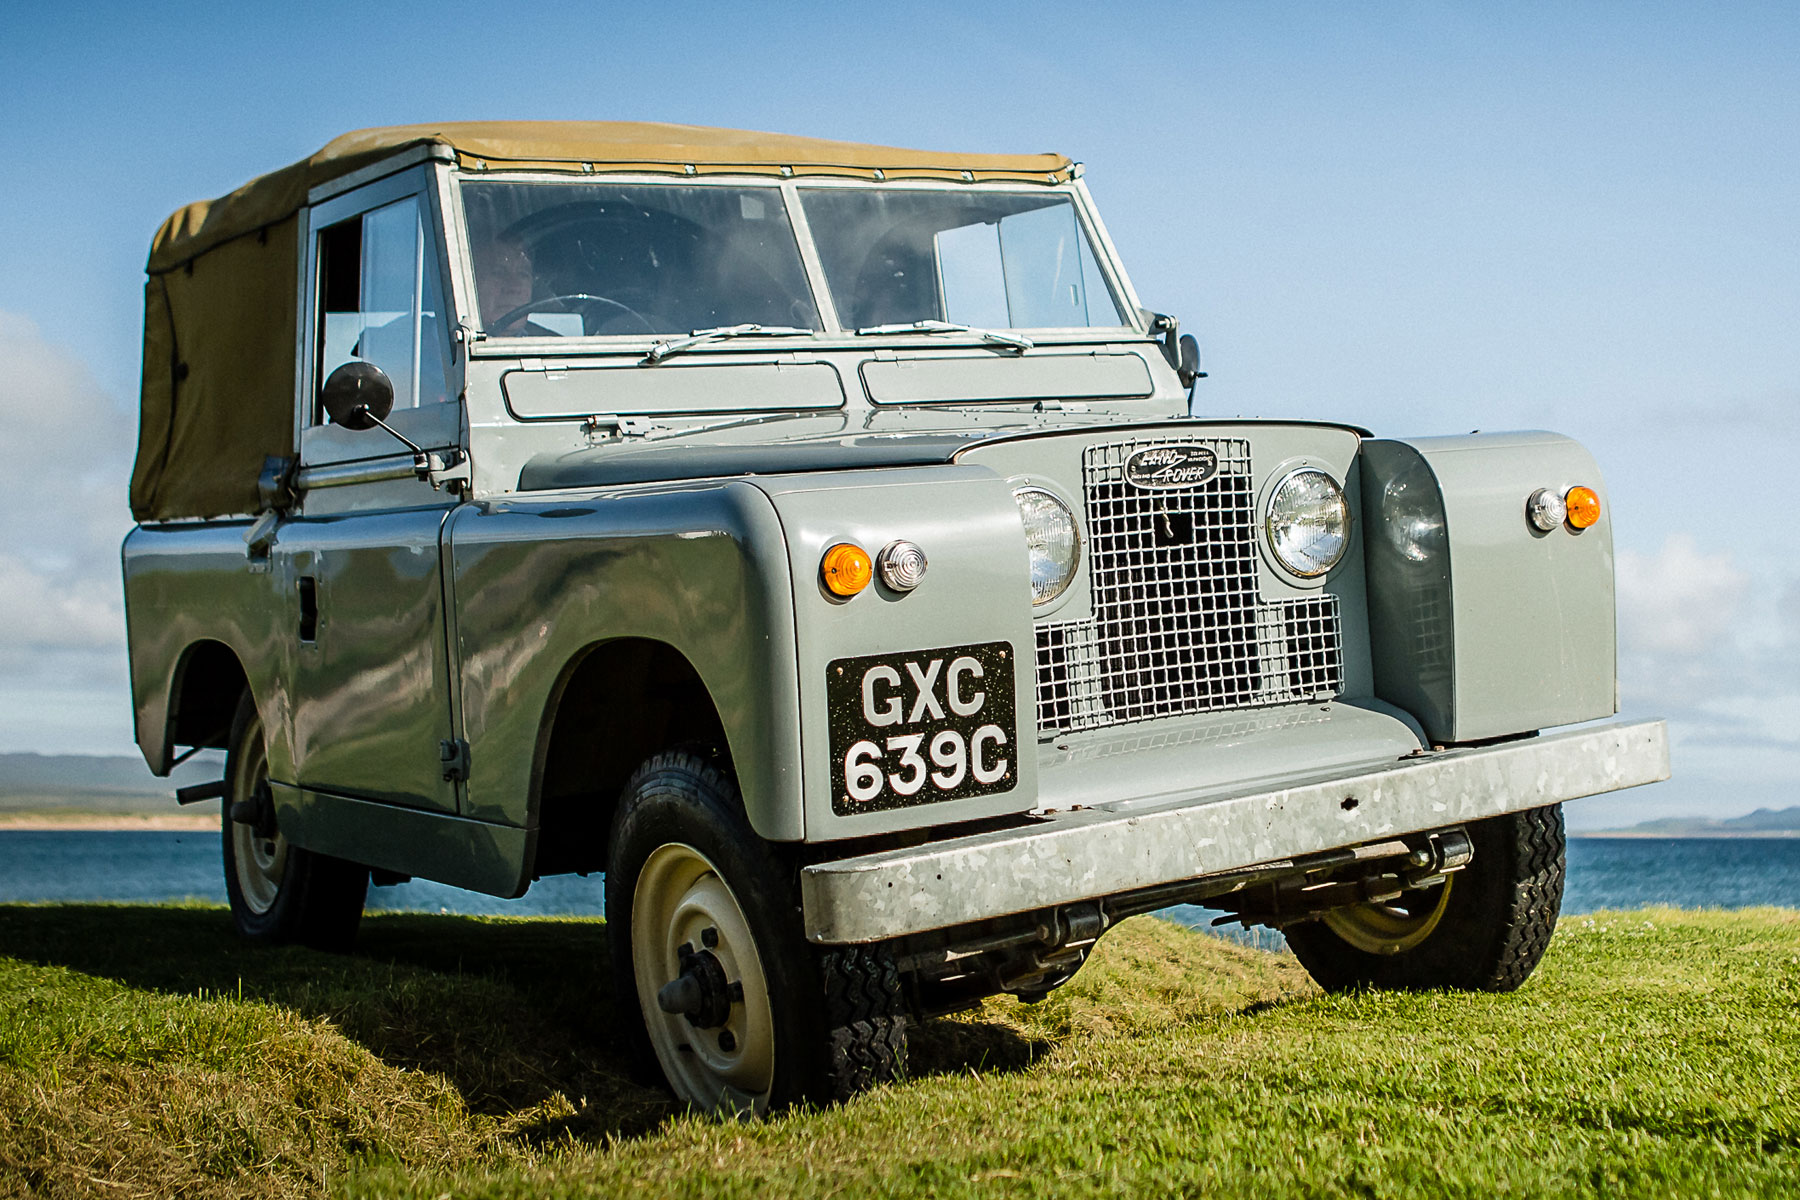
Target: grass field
{"points": [[145, 1052]]}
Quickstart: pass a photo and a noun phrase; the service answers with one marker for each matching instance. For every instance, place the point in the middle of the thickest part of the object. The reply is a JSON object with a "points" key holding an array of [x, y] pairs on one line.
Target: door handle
{"points": [[309, 609]]}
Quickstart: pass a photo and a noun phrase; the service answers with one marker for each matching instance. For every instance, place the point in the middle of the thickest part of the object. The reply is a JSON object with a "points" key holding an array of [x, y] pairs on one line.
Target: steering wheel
{"points": [[576, 298]]}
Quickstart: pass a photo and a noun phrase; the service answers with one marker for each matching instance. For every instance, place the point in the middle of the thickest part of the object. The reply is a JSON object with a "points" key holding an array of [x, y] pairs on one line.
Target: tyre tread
{"points": [[1539, 846], [867, 1016]]}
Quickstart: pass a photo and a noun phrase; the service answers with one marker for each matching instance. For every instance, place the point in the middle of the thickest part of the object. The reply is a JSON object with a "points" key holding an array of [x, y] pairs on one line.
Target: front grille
{"points": [[1179, 624]]}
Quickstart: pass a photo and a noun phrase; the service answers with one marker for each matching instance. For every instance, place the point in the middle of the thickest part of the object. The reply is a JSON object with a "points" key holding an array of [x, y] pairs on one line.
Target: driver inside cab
{"points": [[504, 287]]}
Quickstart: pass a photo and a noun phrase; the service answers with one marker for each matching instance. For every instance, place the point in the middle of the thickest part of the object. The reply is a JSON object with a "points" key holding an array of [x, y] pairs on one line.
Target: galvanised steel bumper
{"points": [[1088, 853]]}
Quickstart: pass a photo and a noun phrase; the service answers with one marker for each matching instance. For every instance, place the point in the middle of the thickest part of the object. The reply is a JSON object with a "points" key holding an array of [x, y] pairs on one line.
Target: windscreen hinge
{"points": [[445, 470], [619, 427]]}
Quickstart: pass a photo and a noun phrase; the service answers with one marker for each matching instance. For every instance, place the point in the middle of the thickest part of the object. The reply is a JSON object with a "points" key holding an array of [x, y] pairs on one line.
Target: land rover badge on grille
{"points": [[1171, 466]]}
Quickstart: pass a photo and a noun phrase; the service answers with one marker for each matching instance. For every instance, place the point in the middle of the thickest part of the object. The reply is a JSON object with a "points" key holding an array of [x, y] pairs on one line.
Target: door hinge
{"points": [[453, 753]]}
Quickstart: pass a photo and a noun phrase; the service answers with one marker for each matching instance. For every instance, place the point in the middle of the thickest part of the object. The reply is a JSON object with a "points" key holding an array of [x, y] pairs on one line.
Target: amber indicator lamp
{"points": [[846, 569], [1584, 506]]}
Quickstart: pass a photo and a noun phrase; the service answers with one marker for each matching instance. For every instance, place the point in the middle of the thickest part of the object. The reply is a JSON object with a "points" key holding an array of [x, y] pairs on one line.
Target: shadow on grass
{"points": [[516, 1014], [959, 1048]]}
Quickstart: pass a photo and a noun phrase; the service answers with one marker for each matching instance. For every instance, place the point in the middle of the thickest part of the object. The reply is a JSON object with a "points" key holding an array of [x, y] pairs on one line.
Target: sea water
{"points": [[141, 866]]}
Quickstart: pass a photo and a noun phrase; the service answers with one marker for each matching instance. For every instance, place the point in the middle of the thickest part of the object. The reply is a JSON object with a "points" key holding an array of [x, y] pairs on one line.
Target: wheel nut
{"points": [[727, 1041], [709, 937]]}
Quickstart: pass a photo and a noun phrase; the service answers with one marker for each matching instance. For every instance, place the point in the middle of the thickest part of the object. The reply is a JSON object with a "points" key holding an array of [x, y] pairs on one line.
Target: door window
{"points": [[381, 301]]}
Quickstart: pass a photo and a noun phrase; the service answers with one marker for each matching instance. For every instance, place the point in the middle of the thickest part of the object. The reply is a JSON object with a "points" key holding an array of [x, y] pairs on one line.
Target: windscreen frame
{"points": [[834, 333]]}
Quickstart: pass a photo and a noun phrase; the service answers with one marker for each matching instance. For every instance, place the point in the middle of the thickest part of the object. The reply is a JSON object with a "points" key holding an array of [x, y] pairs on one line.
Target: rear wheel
{"points": [[278, 891], [718, 989], [1483, 929]]}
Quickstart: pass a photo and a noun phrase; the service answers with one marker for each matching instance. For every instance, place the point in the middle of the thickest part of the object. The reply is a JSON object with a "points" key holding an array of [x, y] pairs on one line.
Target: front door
{"points": [[370, 689]]}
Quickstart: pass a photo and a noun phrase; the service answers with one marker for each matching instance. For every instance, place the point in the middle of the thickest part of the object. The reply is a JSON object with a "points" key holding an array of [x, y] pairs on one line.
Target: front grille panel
{"points": [[1179, 625]]}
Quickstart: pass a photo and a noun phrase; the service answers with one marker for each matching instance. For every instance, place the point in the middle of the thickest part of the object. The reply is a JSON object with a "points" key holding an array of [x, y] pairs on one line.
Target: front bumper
{"points": [[1090, 853]]}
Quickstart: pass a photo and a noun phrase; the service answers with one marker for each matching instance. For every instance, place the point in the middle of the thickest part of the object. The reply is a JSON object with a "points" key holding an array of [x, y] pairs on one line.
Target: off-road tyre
{"points": [[866, 1015], [1496, 924], [294, 895], [836, 1015]]}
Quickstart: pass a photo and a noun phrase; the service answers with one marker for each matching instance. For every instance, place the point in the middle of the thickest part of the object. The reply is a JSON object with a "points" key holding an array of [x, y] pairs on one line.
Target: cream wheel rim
{"points": [[679, 897], [1391, 928], [261, 862]]}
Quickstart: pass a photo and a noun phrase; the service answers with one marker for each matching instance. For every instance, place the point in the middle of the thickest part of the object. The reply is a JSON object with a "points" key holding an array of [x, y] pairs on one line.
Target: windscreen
{"points": [[610, 260], [993, 260]]}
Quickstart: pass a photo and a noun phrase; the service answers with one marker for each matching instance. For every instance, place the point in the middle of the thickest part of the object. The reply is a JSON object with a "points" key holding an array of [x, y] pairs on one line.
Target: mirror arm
{"points": [[364, 410], [437, 470]]}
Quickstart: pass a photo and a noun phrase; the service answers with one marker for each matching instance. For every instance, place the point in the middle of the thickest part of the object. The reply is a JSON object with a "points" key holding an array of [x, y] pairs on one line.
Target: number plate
{"points": [[921, 726]]}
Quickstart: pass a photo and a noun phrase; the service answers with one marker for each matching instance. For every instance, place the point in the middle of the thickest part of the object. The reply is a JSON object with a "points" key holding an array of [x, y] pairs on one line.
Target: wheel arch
{"points": [[616, 703], [204, 688]]}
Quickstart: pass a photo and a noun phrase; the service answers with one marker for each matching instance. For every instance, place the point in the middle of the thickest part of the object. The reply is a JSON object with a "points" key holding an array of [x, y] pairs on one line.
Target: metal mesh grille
{"points": [[1179, 626]]}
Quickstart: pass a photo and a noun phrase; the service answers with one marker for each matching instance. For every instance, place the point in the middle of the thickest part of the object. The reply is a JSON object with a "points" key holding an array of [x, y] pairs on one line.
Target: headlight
{"points": [[1308, 522], [1053, 540]]}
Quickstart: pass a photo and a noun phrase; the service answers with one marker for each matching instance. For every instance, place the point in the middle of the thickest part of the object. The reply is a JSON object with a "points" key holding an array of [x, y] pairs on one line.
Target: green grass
{"points": [[144, 1051]]}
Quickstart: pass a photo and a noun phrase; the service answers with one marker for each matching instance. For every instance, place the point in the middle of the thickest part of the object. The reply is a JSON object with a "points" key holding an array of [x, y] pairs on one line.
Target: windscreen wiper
{"points": [[1017, 341], [700, 337]]}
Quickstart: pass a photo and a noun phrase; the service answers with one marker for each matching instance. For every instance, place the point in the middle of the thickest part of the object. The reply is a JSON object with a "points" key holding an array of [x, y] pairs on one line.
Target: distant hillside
{"points": [[94, 783], [1764, 822]]}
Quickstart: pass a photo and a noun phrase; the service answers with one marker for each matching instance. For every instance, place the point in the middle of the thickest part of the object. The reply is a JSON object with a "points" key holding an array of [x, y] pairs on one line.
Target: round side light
{"points": [[1546, 509], [1584, 506], [846, 569], [902, 565]]}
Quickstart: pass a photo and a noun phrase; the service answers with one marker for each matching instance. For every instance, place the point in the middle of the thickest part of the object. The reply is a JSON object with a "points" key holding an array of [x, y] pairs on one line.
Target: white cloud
{"points": [[65, 463], [1680, 601], [67, 457], [1713, 644], [1789, 610], [39, 610]]}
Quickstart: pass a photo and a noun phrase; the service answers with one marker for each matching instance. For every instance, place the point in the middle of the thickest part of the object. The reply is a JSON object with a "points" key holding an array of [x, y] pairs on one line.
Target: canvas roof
{"points": [[220, 302], [608, 146]]}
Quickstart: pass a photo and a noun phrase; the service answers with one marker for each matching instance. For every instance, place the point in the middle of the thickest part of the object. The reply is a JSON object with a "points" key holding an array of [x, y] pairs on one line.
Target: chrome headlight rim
{"points": [[1053, 597], [1272, 543]]}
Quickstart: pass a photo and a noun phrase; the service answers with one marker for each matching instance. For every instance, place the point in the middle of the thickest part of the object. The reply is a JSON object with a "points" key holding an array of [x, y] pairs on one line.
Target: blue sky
{"points": [[1422, 218]]}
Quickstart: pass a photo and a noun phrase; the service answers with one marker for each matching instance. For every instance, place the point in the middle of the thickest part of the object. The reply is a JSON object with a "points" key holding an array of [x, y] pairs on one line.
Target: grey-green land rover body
{"points": [[462, 654]]}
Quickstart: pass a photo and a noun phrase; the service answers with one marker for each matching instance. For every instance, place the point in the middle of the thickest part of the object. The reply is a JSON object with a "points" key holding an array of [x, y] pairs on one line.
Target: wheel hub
{"points": [[701, 992]]}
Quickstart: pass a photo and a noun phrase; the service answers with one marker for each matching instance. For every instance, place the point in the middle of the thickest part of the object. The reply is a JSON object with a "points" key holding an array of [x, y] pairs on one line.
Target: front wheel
{"points": [[278, 891], [717, 987], [1483, 929]]}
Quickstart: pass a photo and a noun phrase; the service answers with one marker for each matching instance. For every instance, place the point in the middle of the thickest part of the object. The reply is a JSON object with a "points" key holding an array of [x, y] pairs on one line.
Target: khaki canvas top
{"points": [[220, 302], [599, 146]]}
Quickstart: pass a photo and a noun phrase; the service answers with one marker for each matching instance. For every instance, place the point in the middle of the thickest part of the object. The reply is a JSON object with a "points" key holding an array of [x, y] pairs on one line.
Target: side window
{"points": [[381, 301]]}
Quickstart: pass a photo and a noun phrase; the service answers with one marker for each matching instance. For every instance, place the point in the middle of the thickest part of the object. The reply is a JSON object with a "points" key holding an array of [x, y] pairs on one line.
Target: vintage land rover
{"points": [[815, 539]]}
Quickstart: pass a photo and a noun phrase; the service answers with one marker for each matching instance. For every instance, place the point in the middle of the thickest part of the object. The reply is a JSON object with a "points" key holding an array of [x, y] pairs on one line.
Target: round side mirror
{"points": [[1189, 369], [358, 394]]}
